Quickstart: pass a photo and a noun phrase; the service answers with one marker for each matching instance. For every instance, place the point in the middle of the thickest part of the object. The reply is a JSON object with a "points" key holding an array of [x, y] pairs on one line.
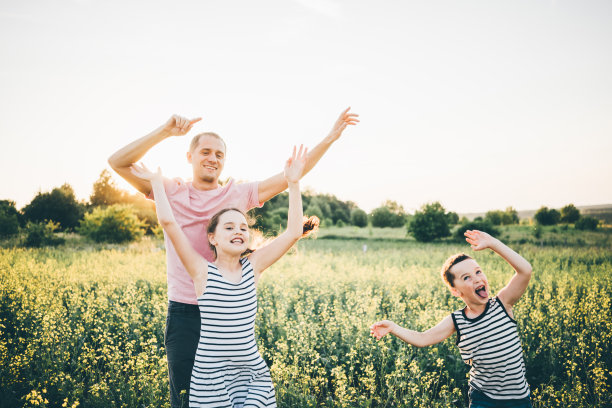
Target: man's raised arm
{"points": [[124, 158], [277, 184]]}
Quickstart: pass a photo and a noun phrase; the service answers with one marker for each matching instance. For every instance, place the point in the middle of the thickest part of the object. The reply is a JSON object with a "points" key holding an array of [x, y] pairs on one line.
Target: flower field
{"points": [[83, 326]]}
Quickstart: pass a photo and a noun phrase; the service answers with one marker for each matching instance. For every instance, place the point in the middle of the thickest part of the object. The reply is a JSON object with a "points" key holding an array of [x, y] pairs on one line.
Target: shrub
{"points": [[481, 225], [39, 234], [430, 223], [114, 224], [586, 223], [359, 218], [537, 231]]}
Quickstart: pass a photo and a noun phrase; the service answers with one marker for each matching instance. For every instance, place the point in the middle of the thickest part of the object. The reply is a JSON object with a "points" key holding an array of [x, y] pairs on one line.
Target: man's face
{"points": [[207, 159]]}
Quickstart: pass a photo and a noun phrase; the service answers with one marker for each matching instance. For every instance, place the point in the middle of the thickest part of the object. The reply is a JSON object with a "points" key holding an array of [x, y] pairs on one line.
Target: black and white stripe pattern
{"points": [[491, 345], [228, 370]]}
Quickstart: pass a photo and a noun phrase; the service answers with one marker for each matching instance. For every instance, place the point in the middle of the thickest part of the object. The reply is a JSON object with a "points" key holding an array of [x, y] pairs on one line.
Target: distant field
{"points": [[560, 235], [83, 324], [602, 212]]}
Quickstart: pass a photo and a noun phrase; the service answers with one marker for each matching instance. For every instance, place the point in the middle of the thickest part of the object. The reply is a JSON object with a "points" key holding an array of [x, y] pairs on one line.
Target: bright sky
{"points": [[478, 105]]}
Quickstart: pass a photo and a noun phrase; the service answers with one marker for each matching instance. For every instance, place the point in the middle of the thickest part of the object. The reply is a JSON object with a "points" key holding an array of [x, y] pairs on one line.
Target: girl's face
{"points": [[470, 283], [231, 235]]}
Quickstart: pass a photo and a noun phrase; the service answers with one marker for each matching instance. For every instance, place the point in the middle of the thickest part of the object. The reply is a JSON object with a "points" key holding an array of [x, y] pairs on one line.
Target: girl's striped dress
{"points": [[491, 345], [228, 370]]}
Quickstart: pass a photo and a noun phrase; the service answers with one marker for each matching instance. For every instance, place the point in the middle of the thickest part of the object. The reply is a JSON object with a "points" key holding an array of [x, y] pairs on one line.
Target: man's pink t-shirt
{"points": [[193, 210]]}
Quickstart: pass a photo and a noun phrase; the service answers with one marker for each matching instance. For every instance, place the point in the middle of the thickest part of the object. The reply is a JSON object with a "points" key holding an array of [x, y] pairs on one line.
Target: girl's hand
{"points": [[479, 240], [382, 328], [141, 171], [295, 165]]}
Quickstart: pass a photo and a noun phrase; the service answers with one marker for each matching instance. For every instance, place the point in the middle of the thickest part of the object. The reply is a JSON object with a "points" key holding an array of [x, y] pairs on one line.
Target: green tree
{"points": [[105, 191], [570, 214], [430, 223], [382, 217], [544, 216], [314, 209], [480, 225], [9, 219], [499, 217], [390, 214], [116, 224], [495, 217], [359, 218], [60, 206], [452, 218], [510, 216]]}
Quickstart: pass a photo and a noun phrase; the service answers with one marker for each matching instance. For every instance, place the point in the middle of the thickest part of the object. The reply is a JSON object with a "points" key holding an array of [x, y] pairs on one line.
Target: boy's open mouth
{"points": [[481, 291]]}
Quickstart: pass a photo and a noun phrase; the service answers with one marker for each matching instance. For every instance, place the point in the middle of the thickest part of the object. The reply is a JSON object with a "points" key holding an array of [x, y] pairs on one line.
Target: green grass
{"points": [[84, 323]]}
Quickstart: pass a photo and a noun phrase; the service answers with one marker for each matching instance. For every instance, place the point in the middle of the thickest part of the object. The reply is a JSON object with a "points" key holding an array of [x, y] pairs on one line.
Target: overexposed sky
{"points": [[477, 104]]}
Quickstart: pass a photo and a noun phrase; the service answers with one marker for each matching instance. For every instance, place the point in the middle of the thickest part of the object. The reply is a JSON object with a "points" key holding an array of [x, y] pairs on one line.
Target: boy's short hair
{"points": [[196, 140], [453, 260]]}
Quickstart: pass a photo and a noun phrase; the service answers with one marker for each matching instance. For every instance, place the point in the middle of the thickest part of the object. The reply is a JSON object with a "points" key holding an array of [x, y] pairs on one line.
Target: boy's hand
{"points": [[479, 240], [382, 328], [179, 126], [346, 118], [295, 165], [141, 171]]}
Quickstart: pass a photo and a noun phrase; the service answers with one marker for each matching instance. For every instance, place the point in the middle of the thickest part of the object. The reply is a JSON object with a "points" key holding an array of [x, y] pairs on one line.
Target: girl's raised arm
{"points": [[194, 263], [266, 256]]}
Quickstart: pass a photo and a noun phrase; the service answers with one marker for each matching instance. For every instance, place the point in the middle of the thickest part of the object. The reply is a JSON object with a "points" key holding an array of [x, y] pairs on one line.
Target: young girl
{"points": [[228, 369], [486, 330]]}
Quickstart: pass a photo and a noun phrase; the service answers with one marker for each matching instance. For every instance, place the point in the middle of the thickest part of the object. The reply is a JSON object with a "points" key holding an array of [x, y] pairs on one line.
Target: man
{"points": [[193, 204]]}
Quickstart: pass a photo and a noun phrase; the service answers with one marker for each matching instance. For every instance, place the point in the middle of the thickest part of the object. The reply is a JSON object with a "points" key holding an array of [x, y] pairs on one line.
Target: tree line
{"points": [[116, 216]]}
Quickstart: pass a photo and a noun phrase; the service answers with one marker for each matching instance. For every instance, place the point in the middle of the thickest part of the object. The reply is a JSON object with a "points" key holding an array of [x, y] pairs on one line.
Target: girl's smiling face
{"points": [[231, 235], [470, 283]]}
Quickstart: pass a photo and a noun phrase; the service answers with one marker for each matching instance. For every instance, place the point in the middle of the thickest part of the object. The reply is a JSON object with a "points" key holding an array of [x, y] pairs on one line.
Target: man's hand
{"points": [[346, 118], [179, 126]]}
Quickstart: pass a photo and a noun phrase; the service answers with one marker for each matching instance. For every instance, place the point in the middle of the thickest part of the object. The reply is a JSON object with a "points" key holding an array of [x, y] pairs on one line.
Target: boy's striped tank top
{"points": [[491, 345]]}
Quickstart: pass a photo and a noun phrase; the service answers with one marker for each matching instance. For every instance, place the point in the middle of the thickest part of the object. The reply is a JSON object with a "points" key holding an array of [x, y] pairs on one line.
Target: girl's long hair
{"points": [[310, 225]]}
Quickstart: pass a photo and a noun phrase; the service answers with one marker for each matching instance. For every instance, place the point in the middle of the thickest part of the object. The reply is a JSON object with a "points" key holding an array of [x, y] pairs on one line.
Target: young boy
{"points": [[486, 330]]}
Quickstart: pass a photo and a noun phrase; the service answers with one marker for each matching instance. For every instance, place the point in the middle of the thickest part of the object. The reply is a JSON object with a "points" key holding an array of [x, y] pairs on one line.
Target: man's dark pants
{"points": [[181, 340]]}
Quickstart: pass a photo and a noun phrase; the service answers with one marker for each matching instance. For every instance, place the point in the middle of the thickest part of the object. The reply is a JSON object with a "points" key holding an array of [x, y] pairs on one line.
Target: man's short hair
{"points": [[196, 140], [453, 260]]}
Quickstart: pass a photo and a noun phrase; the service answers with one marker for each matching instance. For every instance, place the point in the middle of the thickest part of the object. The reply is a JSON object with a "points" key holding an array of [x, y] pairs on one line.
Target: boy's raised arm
{"points": [[276, 184], [515, 288], [124, 158], [435, 335]]}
